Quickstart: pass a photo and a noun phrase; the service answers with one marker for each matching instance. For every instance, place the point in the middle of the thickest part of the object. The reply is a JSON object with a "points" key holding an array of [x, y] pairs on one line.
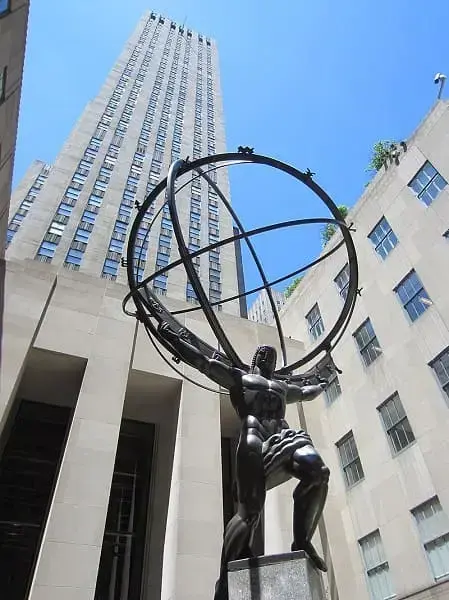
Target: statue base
{"points": [[289, 576]]}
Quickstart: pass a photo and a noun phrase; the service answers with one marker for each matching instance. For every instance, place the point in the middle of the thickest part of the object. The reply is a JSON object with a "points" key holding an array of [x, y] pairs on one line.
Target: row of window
{"points": [[26, 203], [432, 525], [210, 105], [116, 244], [52, 238], [179, 118]]}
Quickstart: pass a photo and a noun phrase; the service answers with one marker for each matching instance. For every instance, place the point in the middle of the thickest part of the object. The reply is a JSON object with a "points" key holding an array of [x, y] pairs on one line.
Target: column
{"points": [[70, 552], [26, 296], [195, 513]]}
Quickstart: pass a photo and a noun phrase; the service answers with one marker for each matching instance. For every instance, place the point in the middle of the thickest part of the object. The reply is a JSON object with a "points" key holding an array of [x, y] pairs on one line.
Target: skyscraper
{"points": [[161, 101], [261, 310]]}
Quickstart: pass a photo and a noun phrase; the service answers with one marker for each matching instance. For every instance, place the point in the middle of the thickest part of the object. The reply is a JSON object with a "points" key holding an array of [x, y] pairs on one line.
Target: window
{"points": [[74, 257], [413, 296], [383, 238], [441, 367], [190, 293], [120, 227], [47, 249], [88, 216], [95, 201], [367, 342], [396, 423], [427, 183], [350, 460], [162, 259], [72, 193], [342, 281], [3, 73], [56, 228], [116, 245], [376, 567], [81, 235], [316, 327], [160, 282], [4, 7], [110, 266], [433, 527], [65, 209], [333, 389]]}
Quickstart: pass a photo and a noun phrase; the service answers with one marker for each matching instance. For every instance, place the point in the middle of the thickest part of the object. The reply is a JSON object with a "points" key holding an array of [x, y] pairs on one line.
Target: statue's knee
{"points": [[251, 423]]}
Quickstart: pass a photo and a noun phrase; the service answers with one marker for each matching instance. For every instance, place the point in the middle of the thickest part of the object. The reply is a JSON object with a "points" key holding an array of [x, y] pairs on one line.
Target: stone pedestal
{"points": [[278, 577]]}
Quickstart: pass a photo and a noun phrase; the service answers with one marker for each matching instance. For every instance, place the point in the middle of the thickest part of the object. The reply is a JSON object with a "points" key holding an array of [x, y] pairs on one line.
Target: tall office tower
{"points": [[13, 29], [161, 101], [261, 310]]}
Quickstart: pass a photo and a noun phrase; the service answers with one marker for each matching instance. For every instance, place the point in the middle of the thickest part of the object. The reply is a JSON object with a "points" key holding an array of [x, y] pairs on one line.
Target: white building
{"points": [[382, 425], [261, 311]]}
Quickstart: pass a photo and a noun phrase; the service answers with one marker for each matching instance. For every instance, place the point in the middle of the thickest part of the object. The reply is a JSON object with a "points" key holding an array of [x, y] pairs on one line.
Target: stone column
{"points": [[70, 552], [195, 513], [26, 296]]}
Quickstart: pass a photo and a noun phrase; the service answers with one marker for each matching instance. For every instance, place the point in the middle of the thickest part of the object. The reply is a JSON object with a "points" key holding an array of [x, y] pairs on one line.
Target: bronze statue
{"points": [[269, 452]]}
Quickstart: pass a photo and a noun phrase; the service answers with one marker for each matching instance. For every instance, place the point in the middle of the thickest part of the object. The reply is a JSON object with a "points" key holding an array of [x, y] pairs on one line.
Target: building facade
{"points": [[161, 101], [13, 30], [261, 311], [115, 473], [382, 425]]}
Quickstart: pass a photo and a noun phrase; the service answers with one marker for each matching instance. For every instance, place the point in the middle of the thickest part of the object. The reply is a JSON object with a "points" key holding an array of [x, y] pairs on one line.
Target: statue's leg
{"points": [[251, 498], [309, 498]]}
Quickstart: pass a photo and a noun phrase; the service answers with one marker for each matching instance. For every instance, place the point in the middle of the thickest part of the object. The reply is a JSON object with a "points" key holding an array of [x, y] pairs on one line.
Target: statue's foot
{"points": [[312, 554]]}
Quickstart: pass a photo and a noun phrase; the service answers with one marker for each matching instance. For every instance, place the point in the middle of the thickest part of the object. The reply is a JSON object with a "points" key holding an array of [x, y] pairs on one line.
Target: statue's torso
{"points": [[264, 399]]}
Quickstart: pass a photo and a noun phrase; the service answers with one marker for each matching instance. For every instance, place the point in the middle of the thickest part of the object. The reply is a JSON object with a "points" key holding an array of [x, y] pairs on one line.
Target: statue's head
{"points": [[265, 361]]}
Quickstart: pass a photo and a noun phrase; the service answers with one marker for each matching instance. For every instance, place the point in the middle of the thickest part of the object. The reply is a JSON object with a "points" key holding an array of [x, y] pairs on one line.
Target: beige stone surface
{"points": [[393, 483]]}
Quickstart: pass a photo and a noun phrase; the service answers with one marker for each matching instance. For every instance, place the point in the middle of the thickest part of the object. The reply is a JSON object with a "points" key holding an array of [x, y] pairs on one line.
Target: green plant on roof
{"points": [[328, 230]]}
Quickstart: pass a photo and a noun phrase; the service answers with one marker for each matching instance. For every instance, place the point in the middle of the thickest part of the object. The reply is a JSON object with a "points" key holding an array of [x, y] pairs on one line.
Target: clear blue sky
{"points": [[312, 83]]}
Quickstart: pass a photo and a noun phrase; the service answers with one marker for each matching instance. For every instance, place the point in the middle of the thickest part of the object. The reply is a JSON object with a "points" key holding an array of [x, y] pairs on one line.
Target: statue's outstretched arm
{"points": [[303, 393], [214, 369]]}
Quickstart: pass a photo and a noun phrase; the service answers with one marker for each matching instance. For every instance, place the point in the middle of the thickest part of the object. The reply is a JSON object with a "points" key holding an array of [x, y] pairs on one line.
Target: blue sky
{"points": [[311, 83]]}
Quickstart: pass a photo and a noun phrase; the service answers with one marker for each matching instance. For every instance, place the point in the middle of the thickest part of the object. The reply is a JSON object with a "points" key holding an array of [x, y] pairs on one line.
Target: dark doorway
{"points": [[121, 562], [29, 466]]}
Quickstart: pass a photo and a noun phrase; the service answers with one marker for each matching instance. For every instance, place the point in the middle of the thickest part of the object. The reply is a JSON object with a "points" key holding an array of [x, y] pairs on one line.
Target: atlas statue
{"points": [[269, 452]]}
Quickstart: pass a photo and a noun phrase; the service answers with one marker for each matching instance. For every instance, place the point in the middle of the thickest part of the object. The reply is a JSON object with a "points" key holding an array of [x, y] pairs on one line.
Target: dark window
{"points": [[350, 460], [342, 281], [367, 342], [383, 238], [427, 183], [315, 323], [333, 389], [433, 528], [441, 367], [74, 257], [413, 296], [28, 469], [396, 423], [376, 567], [122, 554]]}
